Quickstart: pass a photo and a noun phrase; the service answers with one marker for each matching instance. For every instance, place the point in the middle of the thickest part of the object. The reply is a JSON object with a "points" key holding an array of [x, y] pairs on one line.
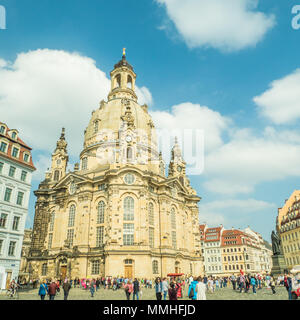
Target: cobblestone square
{"points": [[149, 294]]}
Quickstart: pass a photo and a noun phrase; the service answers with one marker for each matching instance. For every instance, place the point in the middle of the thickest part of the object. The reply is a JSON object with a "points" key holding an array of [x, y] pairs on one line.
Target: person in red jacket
{"points": [[52, 290]]}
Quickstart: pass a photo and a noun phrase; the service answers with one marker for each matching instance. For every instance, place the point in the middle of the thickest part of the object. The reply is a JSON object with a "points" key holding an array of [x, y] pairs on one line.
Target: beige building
{"points": [[288, 224], [117, 213]]}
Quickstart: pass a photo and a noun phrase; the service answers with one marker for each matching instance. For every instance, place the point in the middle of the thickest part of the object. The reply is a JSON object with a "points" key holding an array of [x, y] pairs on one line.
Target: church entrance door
{"points": [[128, 272], [63, 272]]}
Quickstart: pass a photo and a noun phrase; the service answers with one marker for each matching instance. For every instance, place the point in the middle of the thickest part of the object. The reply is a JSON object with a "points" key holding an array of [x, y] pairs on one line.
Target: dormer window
{"points": [[15, 152], [14, 135], [26, 157], [2, 130], [3, 147]]}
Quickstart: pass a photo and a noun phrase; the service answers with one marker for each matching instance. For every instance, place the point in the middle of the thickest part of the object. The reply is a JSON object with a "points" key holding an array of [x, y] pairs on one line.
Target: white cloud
{"points": [[42, 163], [281, 103], [227, 25], [144, 96], [45, 90], [232, 211], [248, 160], [194, 116]]}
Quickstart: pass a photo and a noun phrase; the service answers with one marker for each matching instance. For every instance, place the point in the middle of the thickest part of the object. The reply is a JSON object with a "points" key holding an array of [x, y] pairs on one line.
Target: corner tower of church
{"points": [[117, 213]]}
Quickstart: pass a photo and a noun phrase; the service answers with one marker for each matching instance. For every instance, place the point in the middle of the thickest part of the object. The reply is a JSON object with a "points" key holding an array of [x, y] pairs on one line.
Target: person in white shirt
{"points": [[201, 289]]}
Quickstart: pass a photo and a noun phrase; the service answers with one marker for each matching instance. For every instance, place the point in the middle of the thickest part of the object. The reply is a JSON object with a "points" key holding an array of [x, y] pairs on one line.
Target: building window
{"points": [[20, 198], [3, 147], [12, 171], [128, 209], [12, 248], [99, 236], [70, 237], [129, 178], [155, 267], [23, 176], [128, 261], [95, 267], [7, 195], [101, 187], [50, 240], [15, 152], [174, 243], [44, 269], [151, 237], [2, 130], [151, 213], [26, 157], [128, 234], [56, 175], [1, 245], [101, 211], [1, 167], [72, 211], [3, 219], [52, 218], [173, 219], [84, 165], [129, 154], [16, 222]]}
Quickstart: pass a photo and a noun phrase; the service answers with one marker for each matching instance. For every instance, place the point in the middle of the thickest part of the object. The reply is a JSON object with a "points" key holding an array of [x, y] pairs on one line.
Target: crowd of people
{"points": [[172, 288]]}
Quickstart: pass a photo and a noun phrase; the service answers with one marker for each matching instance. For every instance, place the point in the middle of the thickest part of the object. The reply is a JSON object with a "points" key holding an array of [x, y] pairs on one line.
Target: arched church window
{"points": [[52, 218], [101, 212], [173, 219], [84, 163], [129, 82], [56, 175], [118, 81], [155, 267], [72, 212], [151, 213], [44, 269], [129, 209], [129, 154]]}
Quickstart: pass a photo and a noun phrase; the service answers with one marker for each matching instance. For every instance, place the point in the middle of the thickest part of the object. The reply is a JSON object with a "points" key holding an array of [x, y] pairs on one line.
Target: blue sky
{"points": [[183, 56]]}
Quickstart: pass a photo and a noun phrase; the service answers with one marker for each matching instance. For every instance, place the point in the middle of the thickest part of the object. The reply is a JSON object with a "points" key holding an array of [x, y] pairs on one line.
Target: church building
{"points": [[117, 213]]}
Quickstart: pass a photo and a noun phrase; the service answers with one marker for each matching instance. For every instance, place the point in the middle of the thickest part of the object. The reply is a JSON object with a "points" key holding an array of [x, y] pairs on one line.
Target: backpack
{"points": [[192, 293]]}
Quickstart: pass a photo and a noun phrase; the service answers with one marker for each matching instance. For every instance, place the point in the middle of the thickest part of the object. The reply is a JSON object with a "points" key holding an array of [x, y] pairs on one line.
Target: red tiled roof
{"points": [[23, 148]]}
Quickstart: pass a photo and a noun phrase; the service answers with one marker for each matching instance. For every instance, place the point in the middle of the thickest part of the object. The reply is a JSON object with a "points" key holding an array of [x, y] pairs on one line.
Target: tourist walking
{"points": [[136, 289], [192, 290], [165, 288], [52, 290], [200, 289], [92, 288], [272, 284], [158, 289], [128, 287], [66, 288], [253, 284], [43, 290]]}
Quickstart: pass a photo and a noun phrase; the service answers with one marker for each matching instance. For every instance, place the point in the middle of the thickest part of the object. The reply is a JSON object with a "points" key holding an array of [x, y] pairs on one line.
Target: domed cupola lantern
{"points": [[123, 80]]}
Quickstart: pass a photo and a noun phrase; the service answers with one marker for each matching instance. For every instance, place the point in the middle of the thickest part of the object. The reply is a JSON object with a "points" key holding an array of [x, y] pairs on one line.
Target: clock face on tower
{"points": [[128, 138]]}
